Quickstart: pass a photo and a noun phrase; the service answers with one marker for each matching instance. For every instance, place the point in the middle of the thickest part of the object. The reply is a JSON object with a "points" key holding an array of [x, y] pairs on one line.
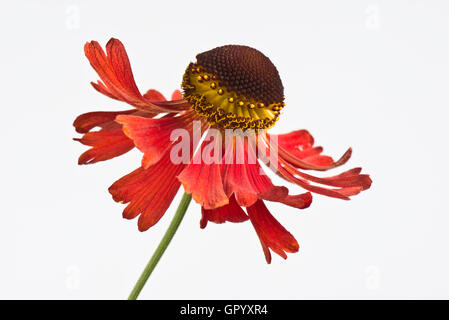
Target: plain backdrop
{"points": [[373, 75]]}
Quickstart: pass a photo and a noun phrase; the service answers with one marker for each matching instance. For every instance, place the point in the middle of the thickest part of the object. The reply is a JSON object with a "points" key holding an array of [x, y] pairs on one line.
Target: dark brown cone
{"points": [[244, 70]]}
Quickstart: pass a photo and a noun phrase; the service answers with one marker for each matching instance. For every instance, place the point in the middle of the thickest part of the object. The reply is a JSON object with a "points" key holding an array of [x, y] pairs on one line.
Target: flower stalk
{"points": [[168, 236]]}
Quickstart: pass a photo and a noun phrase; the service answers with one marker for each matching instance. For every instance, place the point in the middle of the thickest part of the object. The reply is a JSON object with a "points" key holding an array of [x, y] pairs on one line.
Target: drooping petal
{"points": [[248, 182], [87, 121], [106, 144], [350, 178], [267, 191], [297, 148], [152, 136], [272, 234], [295, 141], [349, 183], [237, 180], [110, 141], [300, 201], [117, 80], [231, 212], [149, 192], [341, 193], [204, 181]]}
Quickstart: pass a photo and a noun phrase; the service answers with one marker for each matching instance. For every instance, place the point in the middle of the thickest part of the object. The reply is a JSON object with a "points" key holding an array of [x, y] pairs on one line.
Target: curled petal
{"points": [[117, 80], [87, 121], [110, 141], [272, 234], [106, 144], [340, 193], [349, 183], [299, 201], [350, 178], [297, 149], [231, 212]]}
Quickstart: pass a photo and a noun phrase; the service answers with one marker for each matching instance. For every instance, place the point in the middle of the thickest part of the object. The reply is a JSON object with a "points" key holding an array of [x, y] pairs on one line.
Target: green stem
{"points": [[174, 224]]}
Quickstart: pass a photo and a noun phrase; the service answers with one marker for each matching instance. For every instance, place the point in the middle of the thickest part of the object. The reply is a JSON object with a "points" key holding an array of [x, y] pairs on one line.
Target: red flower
{"points": [[230, 87]]}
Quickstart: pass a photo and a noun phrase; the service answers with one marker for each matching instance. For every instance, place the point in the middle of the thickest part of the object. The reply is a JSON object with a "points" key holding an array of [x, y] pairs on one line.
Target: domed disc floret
{"points": [[234, 87]]}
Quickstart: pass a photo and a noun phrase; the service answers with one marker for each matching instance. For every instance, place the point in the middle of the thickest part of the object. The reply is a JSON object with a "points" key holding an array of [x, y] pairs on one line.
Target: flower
{"points": [[229, 87]]}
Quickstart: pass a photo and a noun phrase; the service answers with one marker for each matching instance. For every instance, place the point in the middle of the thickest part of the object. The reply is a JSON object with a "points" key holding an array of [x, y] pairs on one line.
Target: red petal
{"points": [[341, 193], [106, 144], [299, 139], [267, 191], [236, 182], [272, 234], [177, 95], [117, 78], [149, 192], [350, 178], [248, 182], [152, 136], [109, 142], [300, 201], [87, 121], [237, 177], [350, 182], [297, 148], [154, 96], [204, 181], [231, 212]]}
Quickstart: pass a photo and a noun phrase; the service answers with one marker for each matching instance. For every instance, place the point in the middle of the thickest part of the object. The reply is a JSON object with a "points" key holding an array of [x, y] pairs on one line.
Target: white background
{"points": [[373, 75]]}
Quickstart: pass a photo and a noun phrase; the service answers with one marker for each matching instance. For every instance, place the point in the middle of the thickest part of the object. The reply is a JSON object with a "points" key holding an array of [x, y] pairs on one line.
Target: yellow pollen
{"points": [[217, 104]]}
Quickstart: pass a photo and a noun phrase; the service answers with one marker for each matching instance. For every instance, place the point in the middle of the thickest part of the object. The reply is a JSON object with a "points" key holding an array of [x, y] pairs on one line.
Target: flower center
{"points": [[234, 87]]}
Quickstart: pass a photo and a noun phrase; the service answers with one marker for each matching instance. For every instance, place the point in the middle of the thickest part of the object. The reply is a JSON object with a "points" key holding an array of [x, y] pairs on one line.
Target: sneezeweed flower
{"points": [[232, 89]]}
